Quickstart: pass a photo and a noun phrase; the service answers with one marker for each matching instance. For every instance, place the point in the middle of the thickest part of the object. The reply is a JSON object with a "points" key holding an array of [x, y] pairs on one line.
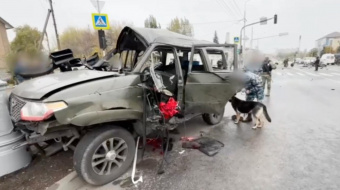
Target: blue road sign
{"points": [[100, 21], [236, 40]]}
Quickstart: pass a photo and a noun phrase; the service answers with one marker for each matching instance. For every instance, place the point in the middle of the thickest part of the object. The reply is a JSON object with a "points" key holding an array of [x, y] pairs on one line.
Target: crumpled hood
{"points": [[39, 87]]}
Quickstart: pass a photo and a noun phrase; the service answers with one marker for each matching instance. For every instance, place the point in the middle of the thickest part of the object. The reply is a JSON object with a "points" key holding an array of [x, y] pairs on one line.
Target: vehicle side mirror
{"points": [[145, 75]]}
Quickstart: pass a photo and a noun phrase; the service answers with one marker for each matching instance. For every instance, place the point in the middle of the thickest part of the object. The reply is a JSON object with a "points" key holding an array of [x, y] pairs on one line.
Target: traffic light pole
{"points": [[261, 21]]}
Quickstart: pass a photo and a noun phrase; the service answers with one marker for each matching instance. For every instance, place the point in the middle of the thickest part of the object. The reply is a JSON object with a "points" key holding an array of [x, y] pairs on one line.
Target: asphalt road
{"points": [[298, 150]]}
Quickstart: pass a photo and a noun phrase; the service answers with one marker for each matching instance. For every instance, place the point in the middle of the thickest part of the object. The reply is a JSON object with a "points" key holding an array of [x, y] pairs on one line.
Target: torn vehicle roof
{"points": [[149, 36]]}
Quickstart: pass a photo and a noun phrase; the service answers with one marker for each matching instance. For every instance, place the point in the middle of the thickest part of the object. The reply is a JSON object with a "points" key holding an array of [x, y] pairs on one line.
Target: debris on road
{"points": [[207, 145]]}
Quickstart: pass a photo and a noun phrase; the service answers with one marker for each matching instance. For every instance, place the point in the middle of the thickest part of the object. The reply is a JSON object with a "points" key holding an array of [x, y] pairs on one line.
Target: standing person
{"points": [[267, 75], [316, 63], [285, 62]]}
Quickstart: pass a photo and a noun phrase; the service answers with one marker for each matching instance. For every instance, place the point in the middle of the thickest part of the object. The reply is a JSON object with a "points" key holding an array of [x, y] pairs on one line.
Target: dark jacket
{"points": [[317, 62], [267, 68]]}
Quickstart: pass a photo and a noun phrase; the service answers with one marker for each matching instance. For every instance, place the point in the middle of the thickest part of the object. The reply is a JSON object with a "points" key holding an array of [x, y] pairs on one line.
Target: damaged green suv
{"points": [[99, 114]]}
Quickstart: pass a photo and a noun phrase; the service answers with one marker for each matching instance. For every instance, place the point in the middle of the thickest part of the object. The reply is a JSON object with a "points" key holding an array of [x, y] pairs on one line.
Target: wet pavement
{"points": [[298, 150]]}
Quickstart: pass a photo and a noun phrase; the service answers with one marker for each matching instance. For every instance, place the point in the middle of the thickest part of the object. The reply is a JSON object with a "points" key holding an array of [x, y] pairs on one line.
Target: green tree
{"points": [[313, 52], [327, 49], [151, 22], [338, 50], [82, 42], [26, 40], [24, 47], [181, 26], [215, 39]]}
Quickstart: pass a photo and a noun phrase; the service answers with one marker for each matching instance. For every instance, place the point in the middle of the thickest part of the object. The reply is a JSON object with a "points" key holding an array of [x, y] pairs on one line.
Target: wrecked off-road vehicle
{"points": [[107, 111]]}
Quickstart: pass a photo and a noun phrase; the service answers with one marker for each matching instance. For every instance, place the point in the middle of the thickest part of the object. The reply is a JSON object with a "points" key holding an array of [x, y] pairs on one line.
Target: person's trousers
{"points": [[266, 78], [316, 67]]}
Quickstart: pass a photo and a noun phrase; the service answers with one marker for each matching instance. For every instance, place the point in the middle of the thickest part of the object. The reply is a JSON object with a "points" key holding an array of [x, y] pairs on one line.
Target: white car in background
{"points": [[298, 60], [327, 59], [308, 60]]}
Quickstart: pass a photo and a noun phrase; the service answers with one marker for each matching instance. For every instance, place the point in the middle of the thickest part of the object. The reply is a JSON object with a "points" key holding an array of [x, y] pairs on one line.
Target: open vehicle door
{"points": [[208, 87]]}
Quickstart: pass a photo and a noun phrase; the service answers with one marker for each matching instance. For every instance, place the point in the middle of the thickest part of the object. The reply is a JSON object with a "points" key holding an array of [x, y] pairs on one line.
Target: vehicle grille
{"points": [[15, 107]]}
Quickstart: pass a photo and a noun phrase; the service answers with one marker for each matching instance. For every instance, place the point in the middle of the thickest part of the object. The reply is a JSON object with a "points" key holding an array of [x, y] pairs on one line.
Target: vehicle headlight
{"points": [[37, 111]]}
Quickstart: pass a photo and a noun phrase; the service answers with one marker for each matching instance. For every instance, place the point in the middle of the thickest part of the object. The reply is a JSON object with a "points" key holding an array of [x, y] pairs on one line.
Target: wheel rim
{"points": [[109, 155], [216, 116]]}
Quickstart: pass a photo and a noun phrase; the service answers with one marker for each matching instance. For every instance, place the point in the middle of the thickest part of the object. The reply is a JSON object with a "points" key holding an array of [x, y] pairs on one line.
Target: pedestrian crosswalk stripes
{"points": [[312, 74], [306, 74], [324, 74]]}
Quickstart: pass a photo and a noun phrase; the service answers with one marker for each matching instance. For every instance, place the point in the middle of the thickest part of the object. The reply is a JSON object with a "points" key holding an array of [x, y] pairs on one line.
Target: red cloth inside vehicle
{"points": [[169, 109]]}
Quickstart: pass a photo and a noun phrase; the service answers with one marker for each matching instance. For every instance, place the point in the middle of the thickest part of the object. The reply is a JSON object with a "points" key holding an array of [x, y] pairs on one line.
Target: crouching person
{"points": [[254, 88]]}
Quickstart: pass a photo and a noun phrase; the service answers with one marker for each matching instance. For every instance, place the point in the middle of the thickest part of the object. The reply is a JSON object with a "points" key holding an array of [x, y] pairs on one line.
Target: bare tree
{"points": [[151, 22], [83, 42], [181, 26]]}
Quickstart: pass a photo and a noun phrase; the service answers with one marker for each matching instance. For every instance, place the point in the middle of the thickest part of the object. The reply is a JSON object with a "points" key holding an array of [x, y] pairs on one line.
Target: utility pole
{"points": [[44, 29], [244, 24], [55, 25], [98, 6], [297, 49], [299, 43], [251, 42], [48, 43], [262, 21]]}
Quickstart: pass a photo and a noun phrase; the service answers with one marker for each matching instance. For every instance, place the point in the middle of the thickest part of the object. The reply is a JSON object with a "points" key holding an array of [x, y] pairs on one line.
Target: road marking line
{"points": [[300, 74], [289, 74], [330, 79], [336, 74], [324, 74], [311, 74]]}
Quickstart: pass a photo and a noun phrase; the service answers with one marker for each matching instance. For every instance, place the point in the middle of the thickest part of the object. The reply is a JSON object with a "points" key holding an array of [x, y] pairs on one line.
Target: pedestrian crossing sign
{"points": [[100, 21], [236, 40]]}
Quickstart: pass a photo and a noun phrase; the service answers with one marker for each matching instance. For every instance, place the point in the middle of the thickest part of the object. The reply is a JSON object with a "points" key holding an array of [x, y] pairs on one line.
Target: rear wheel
{"points": [[104, 154], [213, 118]]}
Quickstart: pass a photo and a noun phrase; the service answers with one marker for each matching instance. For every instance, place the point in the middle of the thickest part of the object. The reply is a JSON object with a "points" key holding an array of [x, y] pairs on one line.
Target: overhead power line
{"points": [[220, 4], [237, 7], [227, 8], [232, 10], [222, 21]]}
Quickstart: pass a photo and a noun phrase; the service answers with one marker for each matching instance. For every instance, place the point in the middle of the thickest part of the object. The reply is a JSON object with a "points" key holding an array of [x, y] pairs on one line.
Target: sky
{"points": [[312, 19]]}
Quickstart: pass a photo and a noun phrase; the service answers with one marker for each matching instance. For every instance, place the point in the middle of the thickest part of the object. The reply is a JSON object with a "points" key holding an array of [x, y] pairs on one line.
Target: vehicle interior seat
{"points": [[169, 76], [196, 67]]}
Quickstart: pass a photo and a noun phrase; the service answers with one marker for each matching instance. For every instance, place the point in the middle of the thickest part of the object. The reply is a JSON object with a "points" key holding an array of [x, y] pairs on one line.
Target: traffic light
{"points": [[275, 19]]}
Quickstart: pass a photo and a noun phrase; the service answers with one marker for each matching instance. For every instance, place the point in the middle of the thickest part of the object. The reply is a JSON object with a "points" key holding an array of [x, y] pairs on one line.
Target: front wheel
{"points": [[104, 154], [213, 118]]}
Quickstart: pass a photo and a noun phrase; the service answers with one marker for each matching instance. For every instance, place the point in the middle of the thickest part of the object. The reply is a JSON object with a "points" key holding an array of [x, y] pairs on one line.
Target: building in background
{"points": [[227, 38], [4, 43], [331, 40]]}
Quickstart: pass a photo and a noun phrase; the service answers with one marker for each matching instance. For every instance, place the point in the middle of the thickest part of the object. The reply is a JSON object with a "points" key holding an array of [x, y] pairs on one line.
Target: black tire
{"points": [[92, 144], [213, 118]]}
